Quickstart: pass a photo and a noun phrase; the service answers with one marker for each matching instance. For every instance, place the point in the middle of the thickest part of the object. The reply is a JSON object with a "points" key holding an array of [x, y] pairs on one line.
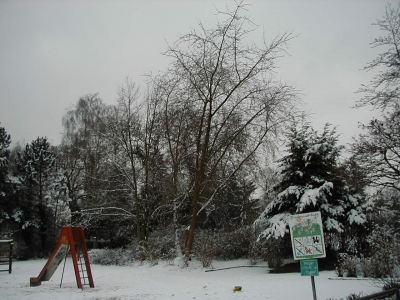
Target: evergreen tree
{"points": [[5, 141], [35, 165], [311, 182]]}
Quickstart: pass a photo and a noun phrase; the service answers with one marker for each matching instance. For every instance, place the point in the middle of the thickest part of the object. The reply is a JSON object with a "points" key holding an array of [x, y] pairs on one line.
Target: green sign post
{"points": [[307, 243]]}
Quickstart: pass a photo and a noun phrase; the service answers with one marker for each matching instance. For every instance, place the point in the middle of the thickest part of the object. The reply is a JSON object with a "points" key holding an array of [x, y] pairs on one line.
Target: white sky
{"points": [[54, 52]]}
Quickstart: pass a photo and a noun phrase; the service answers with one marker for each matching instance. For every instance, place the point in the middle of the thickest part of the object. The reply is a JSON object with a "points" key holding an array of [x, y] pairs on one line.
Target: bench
{"points": [[6, 253]]}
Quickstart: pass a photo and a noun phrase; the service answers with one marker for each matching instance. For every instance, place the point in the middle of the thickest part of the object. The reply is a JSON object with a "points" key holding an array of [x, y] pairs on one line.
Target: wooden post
{"points": [[10, 257]]}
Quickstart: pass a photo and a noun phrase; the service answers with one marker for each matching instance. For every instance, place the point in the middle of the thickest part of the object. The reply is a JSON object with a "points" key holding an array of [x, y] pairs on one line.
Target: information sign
{"points": [[309, 267], [307, 236]]}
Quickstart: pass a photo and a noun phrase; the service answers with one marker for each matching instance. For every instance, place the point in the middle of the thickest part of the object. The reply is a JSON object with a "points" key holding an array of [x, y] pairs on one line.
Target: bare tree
{"points": [[132, 132], [176, 114], [384, 90], [232, 102], [83, 158], [378, 149], [121, 128]]}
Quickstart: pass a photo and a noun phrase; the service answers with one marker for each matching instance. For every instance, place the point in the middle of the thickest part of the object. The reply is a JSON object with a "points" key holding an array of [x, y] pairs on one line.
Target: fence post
{"points": [[10, 257]]}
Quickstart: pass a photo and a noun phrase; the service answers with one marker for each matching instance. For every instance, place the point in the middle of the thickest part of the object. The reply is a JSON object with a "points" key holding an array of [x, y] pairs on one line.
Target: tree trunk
{"points": [[195, 209]]}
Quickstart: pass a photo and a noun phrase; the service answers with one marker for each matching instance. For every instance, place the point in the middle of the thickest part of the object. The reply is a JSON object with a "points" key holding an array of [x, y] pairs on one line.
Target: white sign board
{"points": [[307, 236]]}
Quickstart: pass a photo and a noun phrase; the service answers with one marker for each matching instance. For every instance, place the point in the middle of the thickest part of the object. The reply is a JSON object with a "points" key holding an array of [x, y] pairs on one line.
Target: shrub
{"points": [[225, 245], [350, 297], [274, 250], [383, 261], [235, 244], [118, 257], [206, 251], [273, 253], [365, 266], [159, 245], [347, 265]]}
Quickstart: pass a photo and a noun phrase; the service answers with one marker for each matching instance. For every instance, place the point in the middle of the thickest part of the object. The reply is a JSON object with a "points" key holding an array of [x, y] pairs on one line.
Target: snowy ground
{"points": [[173, 282]]}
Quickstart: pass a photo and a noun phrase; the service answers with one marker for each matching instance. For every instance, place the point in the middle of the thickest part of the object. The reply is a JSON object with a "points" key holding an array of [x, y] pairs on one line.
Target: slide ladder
{"points": [[82, 266], [71, 239]]}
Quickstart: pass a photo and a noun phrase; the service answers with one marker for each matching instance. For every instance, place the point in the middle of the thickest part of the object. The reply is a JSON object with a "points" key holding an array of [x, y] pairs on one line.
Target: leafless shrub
{"points": [[347, 265], [205, 250]]}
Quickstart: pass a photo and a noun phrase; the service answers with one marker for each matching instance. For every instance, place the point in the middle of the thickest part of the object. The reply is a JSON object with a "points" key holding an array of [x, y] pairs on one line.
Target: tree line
{"points": [[193, 154]]}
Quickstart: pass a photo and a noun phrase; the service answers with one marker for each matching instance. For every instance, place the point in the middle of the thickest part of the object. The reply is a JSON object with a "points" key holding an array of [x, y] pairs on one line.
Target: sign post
{"points": [[308, 243], [309, 267]]}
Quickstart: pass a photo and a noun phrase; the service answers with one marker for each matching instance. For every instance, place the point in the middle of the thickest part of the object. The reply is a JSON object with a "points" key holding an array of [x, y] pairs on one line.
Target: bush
{"points": [[235, 244], [159, 245], [350, 297], [365, 266], [205, 249], [118, 257], [275, 250], [347, 265], [225, 245], [383, 260], [273, 253]]}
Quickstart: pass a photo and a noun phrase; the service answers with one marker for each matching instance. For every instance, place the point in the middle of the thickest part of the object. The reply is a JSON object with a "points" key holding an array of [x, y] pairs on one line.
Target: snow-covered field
{"points": [[165, 281]]}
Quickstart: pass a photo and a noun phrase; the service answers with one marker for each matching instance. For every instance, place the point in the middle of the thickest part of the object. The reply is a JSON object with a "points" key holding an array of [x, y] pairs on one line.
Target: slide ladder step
{"points": [[83, 273]]}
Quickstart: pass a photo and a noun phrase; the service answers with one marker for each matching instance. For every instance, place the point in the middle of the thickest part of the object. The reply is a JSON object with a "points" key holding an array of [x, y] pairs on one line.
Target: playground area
{"points": [[165, 281]]}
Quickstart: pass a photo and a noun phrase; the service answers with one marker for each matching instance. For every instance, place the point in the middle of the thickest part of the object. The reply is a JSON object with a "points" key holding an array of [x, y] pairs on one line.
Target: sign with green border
{"points": [[307, 236], [309, 267]]}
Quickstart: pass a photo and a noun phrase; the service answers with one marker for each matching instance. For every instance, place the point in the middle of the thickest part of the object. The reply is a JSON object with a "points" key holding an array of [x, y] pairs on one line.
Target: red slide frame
{"points": [[73, 239]]}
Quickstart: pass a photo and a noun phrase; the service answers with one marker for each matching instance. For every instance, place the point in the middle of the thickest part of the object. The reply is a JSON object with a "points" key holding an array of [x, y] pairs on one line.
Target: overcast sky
{"points": [[54, 52]]}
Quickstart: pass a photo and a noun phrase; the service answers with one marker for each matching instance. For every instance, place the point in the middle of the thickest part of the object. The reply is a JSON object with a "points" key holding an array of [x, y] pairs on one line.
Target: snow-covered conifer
{"points": [[5, 141], [311, 182]]}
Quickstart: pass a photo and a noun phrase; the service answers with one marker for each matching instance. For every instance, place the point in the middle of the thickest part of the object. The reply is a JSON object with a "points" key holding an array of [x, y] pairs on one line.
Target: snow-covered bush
{"points": [[384, 250], [161, 243], [381, 264], [235, 244], [118, 257], [382, 261], [226, 245], [347, 265], [349, 297], [274, 252], [205, 249], [365, 266]]}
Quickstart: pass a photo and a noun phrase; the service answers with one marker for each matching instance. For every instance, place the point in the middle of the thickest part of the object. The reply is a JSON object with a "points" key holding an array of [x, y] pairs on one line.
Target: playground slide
{"points": [[53, 262], [71, 239]]}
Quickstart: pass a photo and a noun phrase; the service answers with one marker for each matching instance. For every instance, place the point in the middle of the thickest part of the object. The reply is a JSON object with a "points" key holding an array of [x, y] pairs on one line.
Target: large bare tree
{"points": [[383, 91], [377, 150], [231, 99]]}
